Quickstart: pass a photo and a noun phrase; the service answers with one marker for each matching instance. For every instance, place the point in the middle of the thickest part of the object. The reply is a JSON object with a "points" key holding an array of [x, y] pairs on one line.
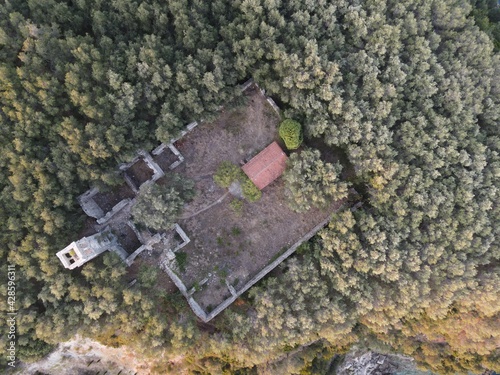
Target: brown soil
{"points": [[126, 237], [163, 283], [139, 172], [165, 159], [88, 228], [107, 200], [236, 136], [226, 245], [236, 246]]}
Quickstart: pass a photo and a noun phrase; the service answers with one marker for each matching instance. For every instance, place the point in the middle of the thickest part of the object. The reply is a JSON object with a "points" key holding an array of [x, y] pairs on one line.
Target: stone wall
{"points": [[117, 208], [155, 239], [274, 105], [265, 271], [161, 148], [271, 102], [183, 235], [92, 209], [89, 206], [130, 183], [246, 85], [157, 171], [200, 313], [236, 293]]}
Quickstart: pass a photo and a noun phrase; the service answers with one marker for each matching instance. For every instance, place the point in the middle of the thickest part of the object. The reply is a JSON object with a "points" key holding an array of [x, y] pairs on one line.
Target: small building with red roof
{"points": [[266, 166]]}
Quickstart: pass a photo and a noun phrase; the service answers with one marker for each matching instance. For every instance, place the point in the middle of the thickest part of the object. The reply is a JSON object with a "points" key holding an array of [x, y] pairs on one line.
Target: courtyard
{"points": [[232, 240]]}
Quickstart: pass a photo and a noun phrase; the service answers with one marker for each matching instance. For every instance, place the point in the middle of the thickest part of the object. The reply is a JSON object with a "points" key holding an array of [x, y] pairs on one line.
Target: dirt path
{"points": [[259, 120], [218, 201], [201, 177]]}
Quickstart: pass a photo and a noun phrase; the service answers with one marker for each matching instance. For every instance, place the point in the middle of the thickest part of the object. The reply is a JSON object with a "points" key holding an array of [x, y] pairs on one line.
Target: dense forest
{"points": [[407, 91]]}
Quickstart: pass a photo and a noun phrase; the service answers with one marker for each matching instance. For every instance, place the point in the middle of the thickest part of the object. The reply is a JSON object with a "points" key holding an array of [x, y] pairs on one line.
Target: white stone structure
{"points": [[161, 148], [116, 208], [183, 236], [80, 252], [146, 157], [88, 204]]}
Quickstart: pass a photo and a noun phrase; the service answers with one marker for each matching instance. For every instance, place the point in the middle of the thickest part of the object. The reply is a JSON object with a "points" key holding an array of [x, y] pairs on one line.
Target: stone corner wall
{"points": [[266, 270]]}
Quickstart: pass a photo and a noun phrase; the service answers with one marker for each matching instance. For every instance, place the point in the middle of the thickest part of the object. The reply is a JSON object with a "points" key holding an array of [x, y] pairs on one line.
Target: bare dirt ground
{"points": [[150, 260], [165, 159], [126, 236], [236, 246], [227, 245], [107, 200], [139, 172]]}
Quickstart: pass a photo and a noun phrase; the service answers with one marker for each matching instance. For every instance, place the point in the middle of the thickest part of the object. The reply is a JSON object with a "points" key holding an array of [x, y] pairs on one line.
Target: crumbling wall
{"points": [[147, 246], [92, 209], [182, 288], [183, 235], [161, 148], [89, 205], [157, 171], [265, 271], [117, 208]]}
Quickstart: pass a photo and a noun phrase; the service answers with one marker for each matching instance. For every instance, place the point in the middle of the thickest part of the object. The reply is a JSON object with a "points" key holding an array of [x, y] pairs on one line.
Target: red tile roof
{"points": [[266, 166]]}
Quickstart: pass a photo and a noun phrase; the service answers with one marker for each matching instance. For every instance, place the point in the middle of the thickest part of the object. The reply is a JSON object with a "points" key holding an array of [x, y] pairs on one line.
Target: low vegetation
{"points": [[408, 90], [291, 133], [227, 173], [250, 191], [181, 258]]}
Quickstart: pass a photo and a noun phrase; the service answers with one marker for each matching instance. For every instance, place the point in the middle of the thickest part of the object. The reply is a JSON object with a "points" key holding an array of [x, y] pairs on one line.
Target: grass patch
{"points": [[223, 273], [220, 241], [236, 205], [181, 259]]}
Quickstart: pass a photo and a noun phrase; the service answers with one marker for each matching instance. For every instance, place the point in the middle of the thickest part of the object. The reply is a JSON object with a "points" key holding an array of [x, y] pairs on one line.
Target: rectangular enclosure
{"points": [[139, 172], [233, 240], [107, 200]]}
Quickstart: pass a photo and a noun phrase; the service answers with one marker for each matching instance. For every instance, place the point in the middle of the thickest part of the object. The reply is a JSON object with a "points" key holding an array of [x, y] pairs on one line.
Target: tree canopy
{"points": [[291, 133], [406, 91], [158, 206], [312, 182]]}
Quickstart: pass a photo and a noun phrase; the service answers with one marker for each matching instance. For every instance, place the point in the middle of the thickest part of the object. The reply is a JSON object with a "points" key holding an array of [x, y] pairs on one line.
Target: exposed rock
{"points": [[362, 362]]}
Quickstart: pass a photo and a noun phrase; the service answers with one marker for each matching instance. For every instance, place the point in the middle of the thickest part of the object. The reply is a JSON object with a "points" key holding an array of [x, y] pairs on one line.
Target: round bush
{"points": [[291, 133]]}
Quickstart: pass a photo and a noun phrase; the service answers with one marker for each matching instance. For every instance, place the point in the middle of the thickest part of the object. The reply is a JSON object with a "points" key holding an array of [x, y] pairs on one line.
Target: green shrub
{"points": [[147, 276], [236, 205], [291, 133], [181, 259], [250, 191], [226, 174], [34, 350]]}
